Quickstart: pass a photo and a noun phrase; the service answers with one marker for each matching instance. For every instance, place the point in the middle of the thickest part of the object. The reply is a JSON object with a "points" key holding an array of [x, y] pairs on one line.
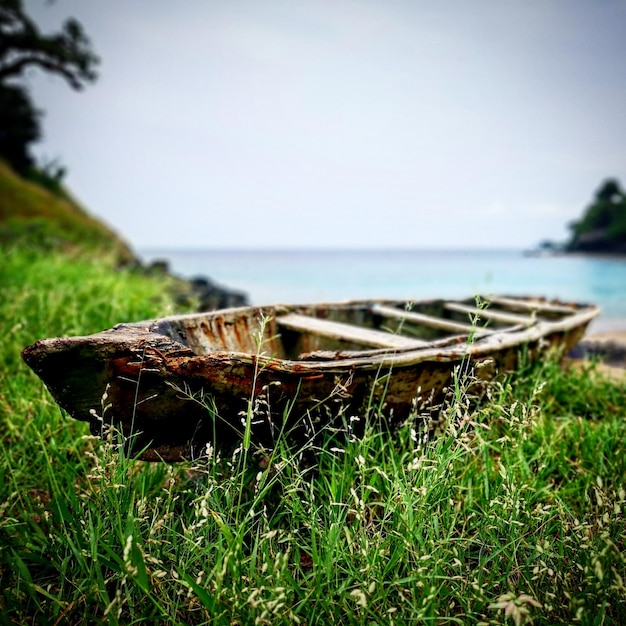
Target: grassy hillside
{"points": [[35, 216]]}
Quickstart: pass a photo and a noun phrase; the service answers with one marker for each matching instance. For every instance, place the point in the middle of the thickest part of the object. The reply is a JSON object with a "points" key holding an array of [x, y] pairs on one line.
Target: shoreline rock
{"points": [[610, 349], [201, 289]]}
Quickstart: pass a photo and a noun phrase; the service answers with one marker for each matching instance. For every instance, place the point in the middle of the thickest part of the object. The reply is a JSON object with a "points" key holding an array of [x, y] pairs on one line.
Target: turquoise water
{"points": [[269, 277]]}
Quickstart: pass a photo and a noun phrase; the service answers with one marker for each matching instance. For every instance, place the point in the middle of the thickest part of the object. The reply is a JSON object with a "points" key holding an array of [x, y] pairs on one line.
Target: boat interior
{"points": [[316, 332]]}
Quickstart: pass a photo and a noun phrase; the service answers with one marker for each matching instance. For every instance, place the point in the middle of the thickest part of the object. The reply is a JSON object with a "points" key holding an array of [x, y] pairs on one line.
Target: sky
{"points": [[340, 123]]}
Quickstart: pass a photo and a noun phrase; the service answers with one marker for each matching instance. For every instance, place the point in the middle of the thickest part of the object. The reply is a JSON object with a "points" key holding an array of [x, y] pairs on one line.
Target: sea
{"points": [[305, 276]]}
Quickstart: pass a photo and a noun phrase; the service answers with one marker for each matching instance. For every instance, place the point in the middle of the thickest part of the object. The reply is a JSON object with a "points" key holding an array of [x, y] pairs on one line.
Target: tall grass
{"points": [[512, 512]]}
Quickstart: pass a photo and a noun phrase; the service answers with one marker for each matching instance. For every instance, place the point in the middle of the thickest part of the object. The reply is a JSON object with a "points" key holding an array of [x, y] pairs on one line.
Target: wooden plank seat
{"points": [[490, 314], [532, 305], [347, 332], [427, 320]]}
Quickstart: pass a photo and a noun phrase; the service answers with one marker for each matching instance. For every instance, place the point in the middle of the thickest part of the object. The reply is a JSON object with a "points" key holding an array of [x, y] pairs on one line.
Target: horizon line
{"points": [[156, 248]]}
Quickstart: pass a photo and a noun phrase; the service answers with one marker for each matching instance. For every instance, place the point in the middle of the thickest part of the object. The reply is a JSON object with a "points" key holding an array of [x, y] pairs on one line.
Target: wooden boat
{"points": [[181, 382]]}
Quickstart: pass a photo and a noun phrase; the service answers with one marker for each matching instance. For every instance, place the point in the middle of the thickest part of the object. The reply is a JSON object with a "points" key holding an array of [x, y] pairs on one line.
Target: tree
{"points": [[22, 45], [67, 54], [603, 225], [19, 127]]}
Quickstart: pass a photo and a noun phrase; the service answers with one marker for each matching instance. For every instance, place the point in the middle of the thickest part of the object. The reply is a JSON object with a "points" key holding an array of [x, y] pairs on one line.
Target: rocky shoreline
{"points": [[606, 350], [609, 348], [199, 291]]}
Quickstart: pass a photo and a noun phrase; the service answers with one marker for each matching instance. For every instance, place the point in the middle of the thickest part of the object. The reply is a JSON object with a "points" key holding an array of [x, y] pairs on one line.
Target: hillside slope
{"points": [[33, 215]]}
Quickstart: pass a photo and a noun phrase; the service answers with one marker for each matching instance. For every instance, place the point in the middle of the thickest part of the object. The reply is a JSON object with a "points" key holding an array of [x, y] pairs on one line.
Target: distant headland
{"points": [[602, 228]]}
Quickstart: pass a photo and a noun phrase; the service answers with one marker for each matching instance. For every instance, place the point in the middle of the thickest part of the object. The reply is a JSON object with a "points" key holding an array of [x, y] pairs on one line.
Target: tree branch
{"points": [[17, 66], [66, 53]]}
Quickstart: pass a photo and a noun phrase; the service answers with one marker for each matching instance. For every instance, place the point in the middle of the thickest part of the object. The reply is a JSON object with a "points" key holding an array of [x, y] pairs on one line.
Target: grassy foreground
{"points": [[514, 513]]}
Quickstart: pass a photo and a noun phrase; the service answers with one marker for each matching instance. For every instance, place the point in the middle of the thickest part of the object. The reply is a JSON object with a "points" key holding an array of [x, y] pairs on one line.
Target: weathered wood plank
{"points": [[426, 320], [490, 314], [531, 305], [347, 332]]}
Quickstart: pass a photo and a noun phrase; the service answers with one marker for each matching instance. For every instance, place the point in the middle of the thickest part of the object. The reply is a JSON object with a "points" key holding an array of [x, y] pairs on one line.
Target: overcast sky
{"points": [[340, 123]]}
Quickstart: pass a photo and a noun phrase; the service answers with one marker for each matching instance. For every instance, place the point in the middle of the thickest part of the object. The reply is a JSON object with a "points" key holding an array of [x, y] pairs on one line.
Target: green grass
{"points": [[513, 512]]}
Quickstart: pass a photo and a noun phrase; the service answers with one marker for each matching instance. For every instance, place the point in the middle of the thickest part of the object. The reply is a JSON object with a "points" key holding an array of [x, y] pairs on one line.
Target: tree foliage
{"points": [[19, 126], [23, 46], [602, 227]]}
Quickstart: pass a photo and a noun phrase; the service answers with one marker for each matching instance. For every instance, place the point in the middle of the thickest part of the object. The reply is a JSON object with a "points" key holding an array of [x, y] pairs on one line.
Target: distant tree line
{"points": [[23, 46], [602, 227]]}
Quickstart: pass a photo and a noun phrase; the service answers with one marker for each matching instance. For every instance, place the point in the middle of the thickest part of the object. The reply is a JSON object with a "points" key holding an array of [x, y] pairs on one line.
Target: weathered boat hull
{"points": [[179, 383]]}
